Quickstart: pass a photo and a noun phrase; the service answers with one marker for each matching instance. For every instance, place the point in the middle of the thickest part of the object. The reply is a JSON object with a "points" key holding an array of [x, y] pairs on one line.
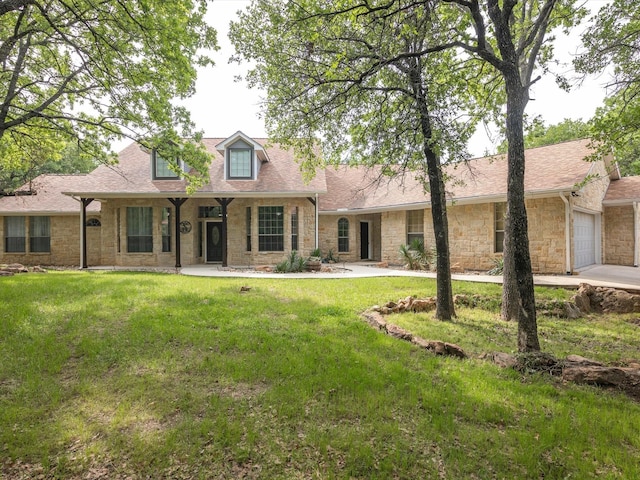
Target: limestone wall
{"points": [[329, 236], [192, 244], [591, 194], [618, 235], [471, 235]]}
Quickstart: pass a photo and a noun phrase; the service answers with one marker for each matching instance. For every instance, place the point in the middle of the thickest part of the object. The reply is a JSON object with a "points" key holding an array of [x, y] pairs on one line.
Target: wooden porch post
{"points": [[224, 202], [177, 203], [83, 231]]}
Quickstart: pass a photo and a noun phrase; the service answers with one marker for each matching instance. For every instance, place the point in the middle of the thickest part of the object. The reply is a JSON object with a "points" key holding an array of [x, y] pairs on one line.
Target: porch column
{"points": [[177, 203], [224, 202], [636, 234], [314, 202], [83, 231]]}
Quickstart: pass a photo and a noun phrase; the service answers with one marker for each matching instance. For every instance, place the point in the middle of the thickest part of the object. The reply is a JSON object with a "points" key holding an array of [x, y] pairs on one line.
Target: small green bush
{"points": [[498, 266], [417, 257], [292, 263]]}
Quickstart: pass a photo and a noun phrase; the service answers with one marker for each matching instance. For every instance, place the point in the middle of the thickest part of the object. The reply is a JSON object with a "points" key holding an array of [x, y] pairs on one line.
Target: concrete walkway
{"points": [[626, 278]]}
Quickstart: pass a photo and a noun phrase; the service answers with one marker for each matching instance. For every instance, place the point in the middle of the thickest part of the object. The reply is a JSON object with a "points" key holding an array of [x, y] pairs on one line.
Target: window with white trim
{"points": [[415, 226], [240, 163]]}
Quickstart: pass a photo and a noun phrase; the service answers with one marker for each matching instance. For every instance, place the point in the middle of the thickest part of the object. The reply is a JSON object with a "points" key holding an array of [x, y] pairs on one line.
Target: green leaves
{"points": [[93, 72], [612, 44]]}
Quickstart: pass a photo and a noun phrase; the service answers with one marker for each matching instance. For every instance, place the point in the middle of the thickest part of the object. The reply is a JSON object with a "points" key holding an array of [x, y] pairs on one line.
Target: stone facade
{"points": [[192, 244], [64, 244], [472, 235], [619, 235], [328, 236]]}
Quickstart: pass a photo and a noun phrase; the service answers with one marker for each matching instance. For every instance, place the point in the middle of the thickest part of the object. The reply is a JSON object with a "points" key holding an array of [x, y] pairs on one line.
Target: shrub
{"points": [[292, 263], [498, 266], [416, 257], [331, 258]]}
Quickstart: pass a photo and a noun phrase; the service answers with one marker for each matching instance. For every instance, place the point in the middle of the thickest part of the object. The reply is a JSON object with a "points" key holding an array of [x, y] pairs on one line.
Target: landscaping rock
{"points": [[38, 269], [504, 360], [605, 300], [625, 378], [375, 319], [423, 305], [398, 332], [577, 360], [571, 311], [4, 273], [14, 268]]}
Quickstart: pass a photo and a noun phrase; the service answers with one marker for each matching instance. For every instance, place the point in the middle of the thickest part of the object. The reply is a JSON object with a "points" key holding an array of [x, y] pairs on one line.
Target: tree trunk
{"points": [[510, 303], [516, 247], [444, 296]]}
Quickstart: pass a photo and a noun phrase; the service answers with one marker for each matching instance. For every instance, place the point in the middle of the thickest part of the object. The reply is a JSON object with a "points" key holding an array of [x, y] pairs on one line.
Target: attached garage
{"points": [[584, 239]]}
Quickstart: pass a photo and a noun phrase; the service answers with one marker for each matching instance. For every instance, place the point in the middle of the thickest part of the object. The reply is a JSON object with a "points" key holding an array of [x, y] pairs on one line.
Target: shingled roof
{"points": [[43, 196], [131, 177], [623, 192], [549, 170]]}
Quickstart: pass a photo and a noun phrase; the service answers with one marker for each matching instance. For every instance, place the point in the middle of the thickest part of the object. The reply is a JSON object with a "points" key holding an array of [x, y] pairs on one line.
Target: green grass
{"points": [[163, 376]]}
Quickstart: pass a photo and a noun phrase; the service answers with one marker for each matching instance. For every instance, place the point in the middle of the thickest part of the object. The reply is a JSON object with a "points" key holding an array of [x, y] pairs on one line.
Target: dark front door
{"points": [[214, 242], [364, 240]]}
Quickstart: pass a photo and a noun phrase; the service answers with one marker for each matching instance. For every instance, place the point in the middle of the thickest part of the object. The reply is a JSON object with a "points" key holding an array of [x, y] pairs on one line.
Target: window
{"points": [[139, 229], [39, 234], [210, 212], [500, 213], [271, 229], [165, 226], [343, 235], [14, 235], [248, 225], [93, 222], [294, 228], [240, 164], [161, 170], [415, 226]]}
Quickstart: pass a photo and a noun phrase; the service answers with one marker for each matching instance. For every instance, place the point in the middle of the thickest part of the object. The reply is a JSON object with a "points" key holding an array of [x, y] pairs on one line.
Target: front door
{"points": [[364, 241], [214, 242]]}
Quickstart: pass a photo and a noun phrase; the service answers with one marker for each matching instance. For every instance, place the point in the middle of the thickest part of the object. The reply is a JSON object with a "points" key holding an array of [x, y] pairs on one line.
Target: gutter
{"points": [[567, 233], [636, 237], [317, 223]]}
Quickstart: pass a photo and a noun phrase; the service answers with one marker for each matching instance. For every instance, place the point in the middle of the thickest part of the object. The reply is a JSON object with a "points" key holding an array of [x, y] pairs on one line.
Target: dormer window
{"points": [[161, 170], [243, 157], [240, 160]]}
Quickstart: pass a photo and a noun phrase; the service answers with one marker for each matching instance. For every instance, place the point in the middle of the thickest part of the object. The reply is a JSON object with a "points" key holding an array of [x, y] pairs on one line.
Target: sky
{"points": [[221, 106]]}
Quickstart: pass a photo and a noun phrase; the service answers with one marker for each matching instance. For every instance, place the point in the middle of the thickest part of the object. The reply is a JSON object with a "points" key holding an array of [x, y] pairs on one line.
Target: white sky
{"points": [[222, 106]]}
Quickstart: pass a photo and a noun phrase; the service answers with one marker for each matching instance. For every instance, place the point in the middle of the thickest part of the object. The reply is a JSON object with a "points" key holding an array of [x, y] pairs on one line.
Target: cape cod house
{"points": [[256, 208]]}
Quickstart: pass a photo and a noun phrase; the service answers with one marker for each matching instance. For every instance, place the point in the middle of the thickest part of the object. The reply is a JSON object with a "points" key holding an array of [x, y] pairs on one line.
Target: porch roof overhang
{"points": [[212, 195]]}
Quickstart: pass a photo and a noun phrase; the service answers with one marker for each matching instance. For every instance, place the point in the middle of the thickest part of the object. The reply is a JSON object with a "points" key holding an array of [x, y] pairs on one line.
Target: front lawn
{"points": [[138, 375]]}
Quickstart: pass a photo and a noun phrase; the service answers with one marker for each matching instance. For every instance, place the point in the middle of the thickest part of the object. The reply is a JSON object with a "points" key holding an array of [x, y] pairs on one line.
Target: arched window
{"points": [[93, 222], [343, 235]]}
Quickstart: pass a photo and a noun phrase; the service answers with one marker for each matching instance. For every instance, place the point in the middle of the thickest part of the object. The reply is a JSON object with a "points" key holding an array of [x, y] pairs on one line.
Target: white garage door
{"points": [[584, 239]]}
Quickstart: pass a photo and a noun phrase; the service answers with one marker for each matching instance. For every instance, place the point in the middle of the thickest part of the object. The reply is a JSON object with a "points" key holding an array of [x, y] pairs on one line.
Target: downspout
{"points": [[82, 235], [317, 225], [636, 241], [567, 233]]}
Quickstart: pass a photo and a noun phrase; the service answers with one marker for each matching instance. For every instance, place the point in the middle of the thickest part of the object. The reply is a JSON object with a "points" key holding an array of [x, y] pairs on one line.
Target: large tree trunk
{"points": [[510, 303], [444, 299], [516, 228]]}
